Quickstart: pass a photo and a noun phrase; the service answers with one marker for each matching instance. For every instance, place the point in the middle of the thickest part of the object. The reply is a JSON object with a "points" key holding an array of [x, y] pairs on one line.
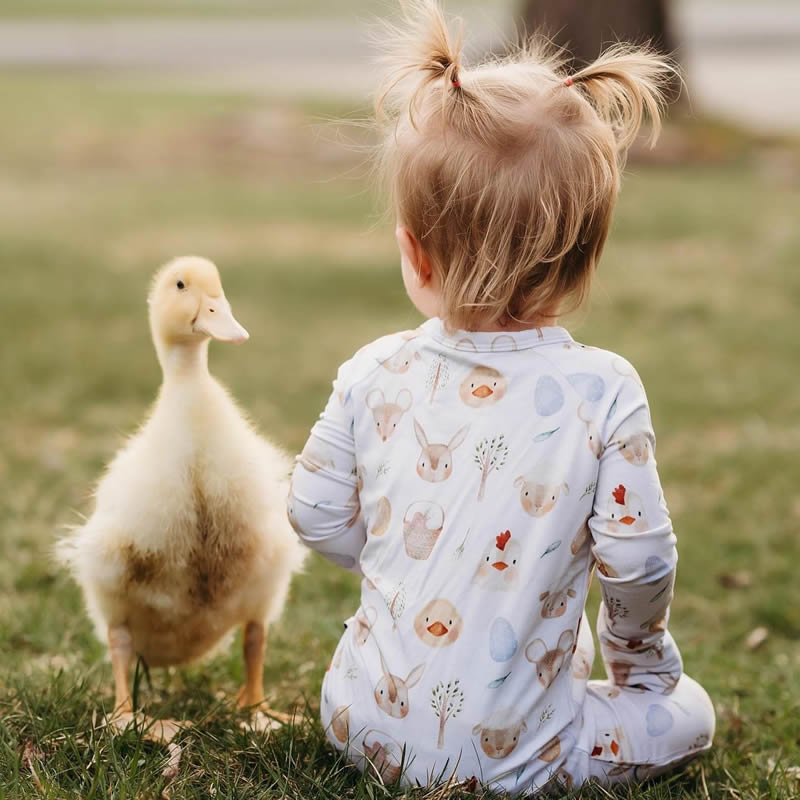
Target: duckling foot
{"points": [[261, 723]]}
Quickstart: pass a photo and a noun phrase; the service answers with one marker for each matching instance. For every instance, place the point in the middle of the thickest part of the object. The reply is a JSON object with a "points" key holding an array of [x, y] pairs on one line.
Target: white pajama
{"points": [[474, 481]]}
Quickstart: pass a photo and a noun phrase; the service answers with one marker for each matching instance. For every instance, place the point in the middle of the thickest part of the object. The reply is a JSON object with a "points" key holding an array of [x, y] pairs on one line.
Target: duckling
{"points": [[189, 537]]}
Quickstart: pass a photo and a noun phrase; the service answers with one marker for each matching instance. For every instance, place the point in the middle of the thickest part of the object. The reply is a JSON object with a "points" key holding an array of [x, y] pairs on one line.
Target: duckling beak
{"points": [[215, 319]]}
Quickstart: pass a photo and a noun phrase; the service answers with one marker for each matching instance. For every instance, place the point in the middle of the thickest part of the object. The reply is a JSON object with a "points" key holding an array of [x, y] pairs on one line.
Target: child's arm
{"points": [[323, 503], [635, 549]]}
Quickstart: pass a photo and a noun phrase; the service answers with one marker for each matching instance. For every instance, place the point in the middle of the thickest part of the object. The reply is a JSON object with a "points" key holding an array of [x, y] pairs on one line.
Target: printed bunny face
{"points": [[539, 499], [500, 732], [625, 510], [636, 449], [435, 462], [387, 416], [438, 624], [391, 691], [554, 604], [401, 361], [498, 569], [483, 386], [549, 662]]}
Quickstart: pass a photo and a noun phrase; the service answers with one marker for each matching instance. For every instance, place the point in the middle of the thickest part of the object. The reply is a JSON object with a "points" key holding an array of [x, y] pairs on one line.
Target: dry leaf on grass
{"points": [[793, 772], [756, 638], [736, 580]]}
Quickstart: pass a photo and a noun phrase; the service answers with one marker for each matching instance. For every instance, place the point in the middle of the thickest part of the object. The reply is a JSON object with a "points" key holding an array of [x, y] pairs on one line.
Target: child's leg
{"points": [[632, 735]]}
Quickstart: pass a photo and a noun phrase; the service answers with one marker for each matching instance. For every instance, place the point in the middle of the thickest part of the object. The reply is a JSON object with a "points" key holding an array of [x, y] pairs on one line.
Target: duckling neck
{"points": [[184, 360]]}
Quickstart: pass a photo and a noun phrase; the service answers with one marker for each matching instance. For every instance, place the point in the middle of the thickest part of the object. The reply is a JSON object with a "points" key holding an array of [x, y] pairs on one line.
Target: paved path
{"points": [[743, 60]]}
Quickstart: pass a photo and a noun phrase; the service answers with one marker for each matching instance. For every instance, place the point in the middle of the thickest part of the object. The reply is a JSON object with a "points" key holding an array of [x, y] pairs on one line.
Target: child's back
{"points": [[476, 470], [480, 458]]}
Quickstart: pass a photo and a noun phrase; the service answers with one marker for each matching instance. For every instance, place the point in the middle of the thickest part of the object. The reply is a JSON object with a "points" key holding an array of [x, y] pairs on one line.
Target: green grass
{"points": [[99, 184], [265, 9]]}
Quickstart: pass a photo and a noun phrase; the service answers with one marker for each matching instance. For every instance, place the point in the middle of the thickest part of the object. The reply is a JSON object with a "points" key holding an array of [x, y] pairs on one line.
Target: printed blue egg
{"points": [[659, 720], [656, 568], [502, 640], [548, 397], [589, 386]]}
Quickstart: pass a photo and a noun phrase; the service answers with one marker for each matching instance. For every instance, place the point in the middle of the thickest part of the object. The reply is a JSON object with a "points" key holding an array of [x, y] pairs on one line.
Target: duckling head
{"points": [[188, 307]]}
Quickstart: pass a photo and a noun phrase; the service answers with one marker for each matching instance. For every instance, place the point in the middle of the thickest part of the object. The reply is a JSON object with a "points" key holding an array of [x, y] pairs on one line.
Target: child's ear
{"points": [[412, 251]]}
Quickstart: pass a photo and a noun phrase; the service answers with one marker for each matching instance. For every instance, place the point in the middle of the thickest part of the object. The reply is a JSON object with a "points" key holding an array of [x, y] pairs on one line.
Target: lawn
{"points": [[101, 182], [265, 9]]}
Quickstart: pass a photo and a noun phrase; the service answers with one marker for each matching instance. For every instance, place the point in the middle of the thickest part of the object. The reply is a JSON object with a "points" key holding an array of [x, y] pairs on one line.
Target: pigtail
{"points": [[420, 46], [627, 85]]}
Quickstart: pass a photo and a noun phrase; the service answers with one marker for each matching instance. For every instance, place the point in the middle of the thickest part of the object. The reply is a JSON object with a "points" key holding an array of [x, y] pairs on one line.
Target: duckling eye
{"points": [[181, 285]]}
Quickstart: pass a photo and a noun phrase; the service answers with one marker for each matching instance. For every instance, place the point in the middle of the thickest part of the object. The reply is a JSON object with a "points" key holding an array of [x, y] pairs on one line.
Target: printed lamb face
{"points": [[500, 732], [539, 499]]}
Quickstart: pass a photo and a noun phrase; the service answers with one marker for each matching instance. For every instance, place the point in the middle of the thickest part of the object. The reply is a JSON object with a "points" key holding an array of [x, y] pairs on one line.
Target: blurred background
{"points": [[132, 131]]}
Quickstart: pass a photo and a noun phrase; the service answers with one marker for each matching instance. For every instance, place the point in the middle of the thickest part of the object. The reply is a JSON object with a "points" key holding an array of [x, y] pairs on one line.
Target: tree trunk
{"points": [[585, 28], [442, 723], [484, 476]]}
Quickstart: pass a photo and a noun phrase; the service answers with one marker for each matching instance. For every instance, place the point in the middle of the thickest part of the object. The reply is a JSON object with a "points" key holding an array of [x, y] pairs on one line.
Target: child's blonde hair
{"points": [[507, 173]]}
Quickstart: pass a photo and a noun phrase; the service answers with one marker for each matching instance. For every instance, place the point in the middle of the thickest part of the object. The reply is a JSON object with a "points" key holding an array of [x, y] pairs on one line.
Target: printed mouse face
{"points": [[484, 386], [438, 624]]}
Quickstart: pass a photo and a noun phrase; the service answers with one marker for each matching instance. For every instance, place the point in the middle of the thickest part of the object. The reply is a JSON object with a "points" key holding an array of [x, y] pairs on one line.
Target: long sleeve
{"points": [[323, 504], [634, 548]]}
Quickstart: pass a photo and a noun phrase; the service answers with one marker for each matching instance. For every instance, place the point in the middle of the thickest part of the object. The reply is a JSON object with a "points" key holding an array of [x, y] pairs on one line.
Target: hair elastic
{"points": [[456, 82], [569, 82]]}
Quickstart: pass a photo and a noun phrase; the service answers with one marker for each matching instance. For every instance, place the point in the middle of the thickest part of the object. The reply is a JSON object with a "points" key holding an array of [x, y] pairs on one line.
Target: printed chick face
{"points": [[498, 569], [626, 510], [484, 386], [438, 624]]}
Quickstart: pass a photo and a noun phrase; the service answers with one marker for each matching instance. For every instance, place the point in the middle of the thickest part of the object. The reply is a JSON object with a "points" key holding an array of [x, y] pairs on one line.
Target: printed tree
{"points": [[490, 455], [447, 700], [438, 376]]}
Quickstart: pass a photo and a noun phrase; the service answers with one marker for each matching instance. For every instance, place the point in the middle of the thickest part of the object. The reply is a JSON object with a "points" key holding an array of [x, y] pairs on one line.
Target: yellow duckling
{"points": [[189, 536]]}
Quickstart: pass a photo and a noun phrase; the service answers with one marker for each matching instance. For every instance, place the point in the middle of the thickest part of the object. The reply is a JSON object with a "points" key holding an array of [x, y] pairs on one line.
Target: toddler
{"points": [[475, 471]]}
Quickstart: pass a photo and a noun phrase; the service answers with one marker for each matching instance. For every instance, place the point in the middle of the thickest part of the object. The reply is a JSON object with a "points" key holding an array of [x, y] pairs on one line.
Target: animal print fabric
{"points": [[474, 481]]}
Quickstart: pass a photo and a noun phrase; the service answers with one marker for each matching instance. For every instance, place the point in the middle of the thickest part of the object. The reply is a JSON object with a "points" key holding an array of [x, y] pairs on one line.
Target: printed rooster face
{"points": [[626, 511], [609, 745], [498, 569]]}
